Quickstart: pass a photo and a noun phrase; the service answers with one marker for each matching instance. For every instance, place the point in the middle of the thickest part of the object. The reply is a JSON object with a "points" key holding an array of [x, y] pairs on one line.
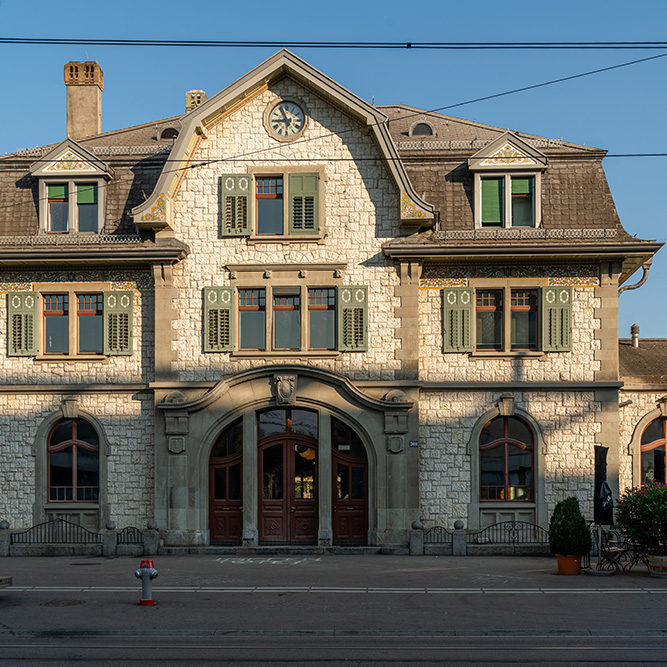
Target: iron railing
{"points": [[510, 532], [437, 535], [56, 531], [130, 535]]}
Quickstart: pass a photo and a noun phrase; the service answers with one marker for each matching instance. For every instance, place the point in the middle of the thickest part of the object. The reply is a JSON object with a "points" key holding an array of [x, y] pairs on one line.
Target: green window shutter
{"points": [[118, 323], [86, 193], [57, 191], [352, 305], [457, 317], [22, 324], [236, 204], [493, 201], [556, 319], [218, 319], [522, 186], [303, 203]]}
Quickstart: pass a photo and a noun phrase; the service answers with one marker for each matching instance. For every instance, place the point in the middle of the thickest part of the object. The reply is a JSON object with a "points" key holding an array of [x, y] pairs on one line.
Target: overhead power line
{"points": [[451, 46]]}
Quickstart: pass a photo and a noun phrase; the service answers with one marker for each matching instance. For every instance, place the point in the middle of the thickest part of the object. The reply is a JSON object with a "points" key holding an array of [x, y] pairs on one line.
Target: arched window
{"points": [[73, 462], [654, 441], [423, 129], [506, 461]]}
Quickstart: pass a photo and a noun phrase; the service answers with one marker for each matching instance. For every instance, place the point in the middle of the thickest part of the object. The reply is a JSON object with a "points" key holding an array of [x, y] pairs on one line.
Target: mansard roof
{"points": [[648, 361]]}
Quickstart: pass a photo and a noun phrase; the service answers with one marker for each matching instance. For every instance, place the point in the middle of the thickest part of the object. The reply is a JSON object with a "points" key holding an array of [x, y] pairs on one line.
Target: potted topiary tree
{"points": [[569, 536], [642, 516]]}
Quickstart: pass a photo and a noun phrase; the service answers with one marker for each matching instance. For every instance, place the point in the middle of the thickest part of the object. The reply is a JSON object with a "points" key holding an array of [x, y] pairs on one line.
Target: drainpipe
{"points": [[645, 267]]}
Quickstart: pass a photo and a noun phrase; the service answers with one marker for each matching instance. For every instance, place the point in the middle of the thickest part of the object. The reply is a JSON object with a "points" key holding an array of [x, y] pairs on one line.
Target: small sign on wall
{"points": [[414, 443]]}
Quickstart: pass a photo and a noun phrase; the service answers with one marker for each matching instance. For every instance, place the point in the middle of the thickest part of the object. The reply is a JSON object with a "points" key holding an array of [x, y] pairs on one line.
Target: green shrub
{"points": [[642, 516], [568, 533]]}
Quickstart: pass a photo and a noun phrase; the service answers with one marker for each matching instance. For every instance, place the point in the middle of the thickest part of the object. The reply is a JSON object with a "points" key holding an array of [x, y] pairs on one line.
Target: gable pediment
{"points": [[507, 152], [69, 159]]}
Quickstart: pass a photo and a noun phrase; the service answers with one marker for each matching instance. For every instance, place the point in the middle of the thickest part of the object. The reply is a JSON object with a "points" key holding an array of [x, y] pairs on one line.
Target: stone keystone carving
{"points": [[663, 406], [506, 405], [285, 389], [70, 407]]}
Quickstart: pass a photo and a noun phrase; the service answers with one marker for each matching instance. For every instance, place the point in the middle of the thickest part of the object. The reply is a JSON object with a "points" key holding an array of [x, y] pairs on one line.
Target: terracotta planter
{"points": [[657, 566], [569, 564]]}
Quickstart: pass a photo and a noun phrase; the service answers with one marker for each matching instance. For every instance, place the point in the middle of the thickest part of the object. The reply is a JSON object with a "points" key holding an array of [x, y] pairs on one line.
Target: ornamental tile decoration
{"points": [[69, 161], [408, 208], [508, 154], [157, 212], [119, 279], [438, 277]]}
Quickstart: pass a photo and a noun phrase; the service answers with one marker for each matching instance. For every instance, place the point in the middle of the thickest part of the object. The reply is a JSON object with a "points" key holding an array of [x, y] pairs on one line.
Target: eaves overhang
{"points": [[155, 212]]}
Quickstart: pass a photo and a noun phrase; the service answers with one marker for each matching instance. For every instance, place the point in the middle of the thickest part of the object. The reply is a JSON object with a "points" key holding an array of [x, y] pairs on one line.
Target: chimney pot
{"points": [[634, 332]]}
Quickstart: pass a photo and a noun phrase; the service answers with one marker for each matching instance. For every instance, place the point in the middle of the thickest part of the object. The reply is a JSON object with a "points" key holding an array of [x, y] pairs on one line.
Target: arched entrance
{"points": [[225, 486], [288, 476], [350, 486]]}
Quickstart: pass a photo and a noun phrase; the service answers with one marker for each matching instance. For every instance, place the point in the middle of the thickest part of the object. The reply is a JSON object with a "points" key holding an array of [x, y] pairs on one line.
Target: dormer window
{"points": [[515, 210], [421, 129], [72, 206]]}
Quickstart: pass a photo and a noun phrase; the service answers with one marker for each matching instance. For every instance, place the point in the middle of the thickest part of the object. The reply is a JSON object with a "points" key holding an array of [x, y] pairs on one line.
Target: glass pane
{"points": [[87, 470], [492, 431], [517, 430], [519, 474], [62, 432], [342, 482], [87, 217], [86, 432], [286, 330], [321, 329], [56, 334], [304, 472], [492, 474], [272, 422], [522, 211], [235, 482], [345, 440], [58, 215], [524, 330], [272, 467], [653, 465], [489, 330], [235, 438], [304, 422], [91, 334], [269, 216], [654, 431], [220, 481], [252, 329], [61, 467], [357, 483]]}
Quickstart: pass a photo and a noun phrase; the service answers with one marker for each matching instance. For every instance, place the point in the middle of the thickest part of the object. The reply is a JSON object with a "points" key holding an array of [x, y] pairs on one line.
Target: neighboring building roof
{"points": [[649, 360]]}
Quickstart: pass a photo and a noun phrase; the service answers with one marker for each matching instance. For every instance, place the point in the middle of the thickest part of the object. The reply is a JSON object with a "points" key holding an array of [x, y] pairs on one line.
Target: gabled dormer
{"points": [[71, 190], [508, 183]]}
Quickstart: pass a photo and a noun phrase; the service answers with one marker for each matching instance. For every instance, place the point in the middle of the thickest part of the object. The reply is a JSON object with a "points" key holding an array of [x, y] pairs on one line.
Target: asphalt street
{"points": [[313, 610]]}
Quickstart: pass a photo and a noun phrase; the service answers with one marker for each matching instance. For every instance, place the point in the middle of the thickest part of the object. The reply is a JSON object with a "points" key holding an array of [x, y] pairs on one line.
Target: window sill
{"points": [[288, 354], [67, 358], [500, 354], [286, 238], [71, 505]]}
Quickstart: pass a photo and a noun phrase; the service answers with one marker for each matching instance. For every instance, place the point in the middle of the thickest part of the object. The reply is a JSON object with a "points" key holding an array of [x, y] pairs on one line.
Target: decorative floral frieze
{"points": [[69, 161], [437, 277], [508, 154], [157, 212], [118, 279], [408, 208]]}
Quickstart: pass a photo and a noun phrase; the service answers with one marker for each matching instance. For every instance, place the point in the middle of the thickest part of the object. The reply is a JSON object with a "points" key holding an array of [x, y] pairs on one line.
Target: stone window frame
{"points": [[506, 286], [284, 172], [539, 450], [536, 174], [634, 446], [42, 507], [73, 292], [71, 181], [416, 124], [280, 277]]}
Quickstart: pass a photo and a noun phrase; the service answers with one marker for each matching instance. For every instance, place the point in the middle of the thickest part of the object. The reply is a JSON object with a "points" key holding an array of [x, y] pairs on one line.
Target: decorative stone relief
{"points": [[176, 444], [506, 405], [395, 444], [285, 389], [396, 422], [177, 423], [70, 407], [396, 396]]}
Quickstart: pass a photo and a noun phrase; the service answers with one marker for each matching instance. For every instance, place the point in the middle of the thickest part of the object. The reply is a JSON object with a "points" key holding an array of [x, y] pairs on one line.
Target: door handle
{"points": [[292, 509]]}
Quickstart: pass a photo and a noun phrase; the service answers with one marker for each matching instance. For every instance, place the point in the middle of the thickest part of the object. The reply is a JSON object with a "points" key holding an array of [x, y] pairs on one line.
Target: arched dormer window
{"points": [[168, 132], [73, 462], [421, 129], [506, 461]]}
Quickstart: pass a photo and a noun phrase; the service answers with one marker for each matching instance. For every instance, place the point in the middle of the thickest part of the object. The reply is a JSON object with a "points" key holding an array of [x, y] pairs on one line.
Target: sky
{"points": [[621, 111]]}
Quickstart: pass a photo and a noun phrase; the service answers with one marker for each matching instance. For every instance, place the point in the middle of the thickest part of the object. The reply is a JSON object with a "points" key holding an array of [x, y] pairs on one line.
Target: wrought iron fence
{"points": [[130, 535], [437, 535], [56, 531], [510, 532]]}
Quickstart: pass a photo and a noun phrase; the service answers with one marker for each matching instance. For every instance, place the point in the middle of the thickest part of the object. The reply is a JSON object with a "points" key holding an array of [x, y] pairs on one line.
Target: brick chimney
{"points": [[193, 99], [85, 83]]}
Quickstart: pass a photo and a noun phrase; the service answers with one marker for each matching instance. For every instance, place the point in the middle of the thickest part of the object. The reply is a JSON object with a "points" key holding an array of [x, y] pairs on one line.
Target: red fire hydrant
{"points": [[146, 573]]}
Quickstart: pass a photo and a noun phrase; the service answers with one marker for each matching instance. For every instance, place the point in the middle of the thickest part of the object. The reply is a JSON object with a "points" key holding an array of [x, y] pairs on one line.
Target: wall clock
{"points": [[286, 120]]}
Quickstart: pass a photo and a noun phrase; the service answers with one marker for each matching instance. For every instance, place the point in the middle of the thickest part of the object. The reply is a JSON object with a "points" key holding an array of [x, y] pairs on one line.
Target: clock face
{"points": [[287, 119]]}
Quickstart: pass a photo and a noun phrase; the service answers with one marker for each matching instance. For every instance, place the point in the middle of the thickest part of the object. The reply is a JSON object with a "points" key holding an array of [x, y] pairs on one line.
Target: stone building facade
{"points": [[289, 316]]}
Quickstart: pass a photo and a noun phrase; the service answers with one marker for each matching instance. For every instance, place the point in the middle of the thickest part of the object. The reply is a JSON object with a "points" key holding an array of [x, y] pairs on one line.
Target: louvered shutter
{"points": [[556, 319], [352, 305], [493, 201], [218, 319], [236, 204], [118, 323], [22, 324], [304, 205], [457, 313]]}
